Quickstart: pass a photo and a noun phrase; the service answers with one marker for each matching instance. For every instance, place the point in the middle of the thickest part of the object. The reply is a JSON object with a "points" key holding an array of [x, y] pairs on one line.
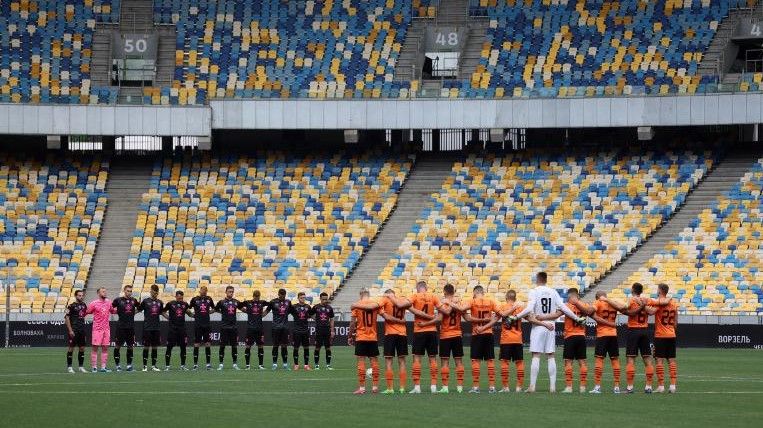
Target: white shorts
{"points": [[542, 340]]}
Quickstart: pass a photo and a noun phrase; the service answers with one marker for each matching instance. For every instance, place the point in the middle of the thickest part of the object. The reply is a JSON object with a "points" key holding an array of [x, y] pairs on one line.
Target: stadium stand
{"points": [[45, 50], [265, 222], [715, 264], [51, 212], [593, 48], [498, 220]]}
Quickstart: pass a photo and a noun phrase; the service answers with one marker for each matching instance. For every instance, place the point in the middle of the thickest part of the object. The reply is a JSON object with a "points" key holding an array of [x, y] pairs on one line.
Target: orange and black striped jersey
{"points": [[606, 311], [365, 328], [639, 319], [571, 328], [391, 327], [451, 324], [511, 332], [424, 302], [481, 307], [665, 319]]}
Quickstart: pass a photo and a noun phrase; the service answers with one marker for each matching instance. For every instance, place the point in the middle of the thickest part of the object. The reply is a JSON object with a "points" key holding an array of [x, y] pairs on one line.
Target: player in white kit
{"points": [[544, 300]]}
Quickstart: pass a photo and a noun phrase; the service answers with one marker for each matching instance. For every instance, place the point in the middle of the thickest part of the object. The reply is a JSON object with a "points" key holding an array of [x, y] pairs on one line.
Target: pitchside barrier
{"points": [[53, 333]]}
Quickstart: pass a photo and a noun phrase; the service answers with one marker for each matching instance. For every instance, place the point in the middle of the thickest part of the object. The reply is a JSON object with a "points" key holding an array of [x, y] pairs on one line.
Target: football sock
{"points": [[616, 370], [660, 373], [460, 373], [433, 370], [389, 375], [568, 374], [328, 356], [583, 374], [167, 354], [445, 373], [649, 371], [182, 355], [362, 372], [374, 372], [306, 357], [81, 358], [117, 357], [630, 372], [94, 359], [145, 356], [491, 372], [403, 374], [195, 355], [129, 356], [234, 354], [673, 369], [476, 373], [154, 355], [317, 356], [68, 358], [552, 374], [284, 354], [208, 354], [104, 356], [520, 372], [221, 354], [275, 354], [534, 369], [598, 368], [260, 354], [505, 373], [247, 355], [416, 372]]}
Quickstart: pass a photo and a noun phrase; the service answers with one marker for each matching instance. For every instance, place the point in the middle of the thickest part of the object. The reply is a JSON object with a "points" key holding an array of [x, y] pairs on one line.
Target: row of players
{"points": [[544, 306], [200, 308]]}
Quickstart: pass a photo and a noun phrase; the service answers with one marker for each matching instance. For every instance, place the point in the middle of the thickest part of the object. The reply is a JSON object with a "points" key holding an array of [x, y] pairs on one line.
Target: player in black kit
{"points": [[152, 309], [301, 313], [175, 311], [324, 329], [75, 327], [228, 332], [281, 308], [126, 308], [255, 309], [202, 306]]}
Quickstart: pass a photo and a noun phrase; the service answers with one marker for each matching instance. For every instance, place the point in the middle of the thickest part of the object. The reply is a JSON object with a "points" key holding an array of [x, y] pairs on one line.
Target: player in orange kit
{"points": [[481, 310], [423, 305], [665, 312], [606, 341], [638, 337], [395, 340], [449, 316], [363, 334], [511, 348]]}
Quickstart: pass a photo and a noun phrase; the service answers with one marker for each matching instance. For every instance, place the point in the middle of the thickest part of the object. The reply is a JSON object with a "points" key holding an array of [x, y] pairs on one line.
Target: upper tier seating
{"points": [[715, 266], [50, 219], [499, 220], [265, 222], [46, 47]]}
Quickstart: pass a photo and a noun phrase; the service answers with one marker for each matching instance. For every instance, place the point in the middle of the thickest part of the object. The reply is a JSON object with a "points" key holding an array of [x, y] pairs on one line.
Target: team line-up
{"points": [[437, 332]]}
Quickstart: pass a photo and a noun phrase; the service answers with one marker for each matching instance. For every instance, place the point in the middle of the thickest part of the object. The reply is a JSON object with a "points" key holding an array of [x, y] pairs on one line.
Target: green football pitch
{"points": [[716, 387]]}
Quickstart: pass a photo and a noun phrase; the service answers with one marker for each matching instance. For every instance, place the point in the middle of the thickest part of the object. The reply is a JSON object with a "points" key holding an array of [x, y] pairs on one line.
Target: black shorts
{"points": [[638, 341], [78, 339], [323, 338], [664, 347], [151, 338], [301, 339], [607, 345], [176, 337], [280, 336], [395, 344], [228, 337], [452, 346], [126, 336], [425, 342], [367, 348], [482, 347], [254, 336], [201, 334], [574, 348], [511, 352]]}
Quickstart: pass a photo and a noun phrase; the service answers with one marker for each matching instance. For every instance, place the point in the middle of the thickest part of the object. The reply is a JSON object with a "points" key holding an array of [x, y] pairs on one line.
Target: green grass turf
{"points": [[716, 387]]}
